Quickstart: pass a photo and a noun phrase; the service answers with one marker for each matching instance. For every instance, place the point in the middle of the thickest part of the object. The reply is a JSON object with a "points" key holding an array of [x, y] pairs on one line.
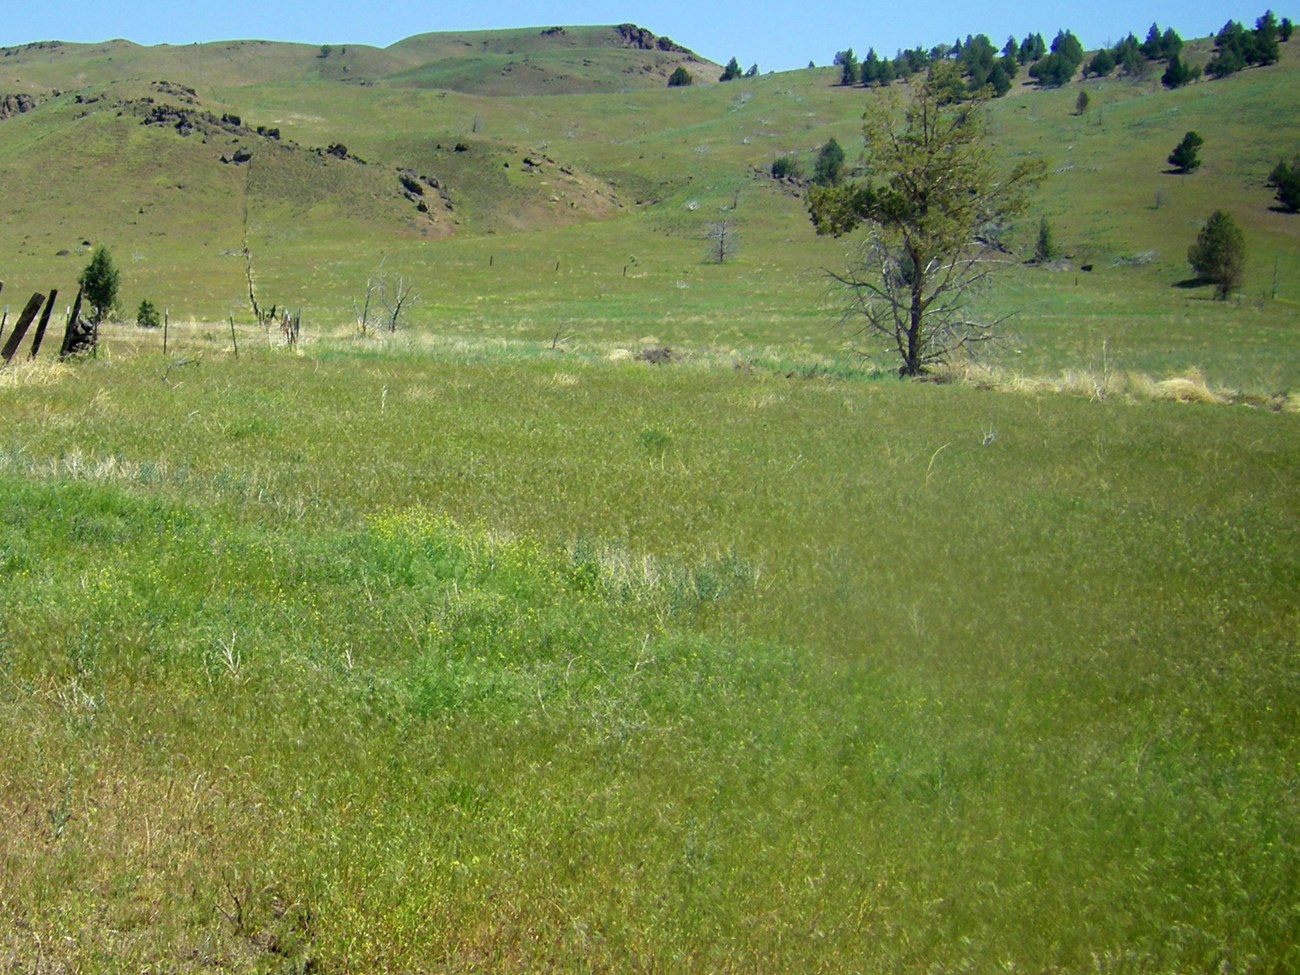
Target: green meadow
{"points": [[483, 645]]}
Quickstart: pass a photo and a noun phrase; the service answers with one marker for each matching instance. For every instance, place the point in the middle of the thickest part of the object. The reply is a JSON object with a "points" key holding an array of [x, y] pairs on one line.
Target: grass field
{"points": [[484, 646], [394, 661]]}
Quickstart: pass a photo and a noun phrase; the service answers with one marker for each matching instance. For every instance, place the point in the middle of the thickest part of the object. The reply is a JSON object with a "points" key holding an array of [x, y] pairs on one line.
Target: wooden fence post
{"points": [[233, 341], [20, 326], [70, 330], [44, 322]]}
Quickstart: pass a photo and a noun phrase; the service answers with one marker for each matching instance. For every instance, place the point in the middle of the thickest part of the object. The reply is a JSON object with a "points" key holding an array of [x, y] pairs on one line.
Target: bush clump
{"points": [[147, 315], [786, 167]]}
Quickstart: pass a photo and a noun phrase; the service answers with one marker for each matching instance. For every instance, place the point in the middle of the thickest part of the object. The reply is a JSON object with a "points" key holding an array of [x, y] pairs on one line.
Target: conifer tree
{"points": [[1186, 155], [99, 282], [1219, 254], [933, 195]]}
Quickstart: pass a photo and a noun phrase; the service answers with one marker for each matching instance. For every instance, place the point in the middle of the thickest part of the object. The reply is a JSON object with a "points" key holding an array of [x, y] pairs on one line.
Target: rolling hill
{"points": [[565, 148]]}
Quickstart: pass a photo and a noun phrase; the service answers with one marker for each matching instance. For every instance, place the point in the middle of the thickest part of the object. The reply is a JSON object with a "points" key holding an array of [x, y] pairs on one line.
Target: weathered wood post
{"points": [[70, 330], [44, 322], [20, 326], [233, 341], [166, 316]]}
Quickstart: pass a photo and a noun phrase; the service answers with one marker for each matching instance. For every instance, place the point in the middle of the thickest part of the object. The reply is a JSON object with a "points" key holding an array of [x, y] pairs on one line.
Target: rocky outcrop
{"points": [[182, 94], [643, 40], [414, 188], [11, 105]]}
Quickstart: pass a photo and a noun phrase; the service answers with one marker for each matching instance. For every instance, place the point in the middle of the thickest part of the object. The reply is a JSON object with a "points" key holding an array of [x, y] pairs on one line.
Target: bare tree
{"points": [[721, 235], [364, 323], [395, 292]]}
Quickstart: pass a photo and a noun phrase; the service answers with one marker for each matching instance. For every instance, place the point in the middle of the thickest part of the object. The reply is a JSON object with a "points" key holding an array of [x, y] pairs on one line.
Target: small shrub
{"points": [[786, 167], [147, 315]]}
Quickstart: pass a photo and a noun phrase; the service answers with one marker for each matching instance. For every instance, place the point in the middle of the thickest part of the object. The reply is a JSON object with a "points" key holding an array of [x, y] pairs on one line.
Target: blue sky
{"points": [[775, 34]]}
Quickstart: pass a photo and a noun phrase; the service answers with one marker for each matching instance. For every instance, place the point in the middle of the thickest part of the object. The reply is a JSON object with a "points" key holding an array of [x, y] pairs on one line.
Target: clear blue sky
{"points": [[775, 34]]}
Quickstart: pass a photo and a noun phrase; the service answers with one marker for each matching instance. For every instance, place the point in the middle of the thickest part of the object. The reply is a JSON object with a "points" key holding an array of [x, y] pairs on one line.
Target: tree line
{"points": [[983, 67]]}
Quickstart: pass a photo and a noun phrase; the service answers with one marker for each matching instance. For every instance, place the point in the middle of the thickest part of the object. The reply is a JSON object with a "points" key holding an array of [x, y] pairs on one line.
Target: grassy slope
{"points": [[671, 161], [578, 59]]}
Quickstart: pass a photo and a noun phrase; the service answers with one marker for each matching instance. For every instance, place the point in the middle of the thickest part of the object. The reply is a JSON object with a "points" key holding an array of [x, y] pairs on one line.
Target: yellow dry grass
{"points": [[1192, 387], [34, 372]]}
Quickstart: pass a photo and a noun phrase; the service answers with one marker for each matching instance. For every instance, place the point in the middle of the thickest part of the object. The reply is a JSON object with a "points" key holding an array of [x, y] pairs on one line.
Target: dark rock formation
{"points": [[11, 105], [643, 40]]}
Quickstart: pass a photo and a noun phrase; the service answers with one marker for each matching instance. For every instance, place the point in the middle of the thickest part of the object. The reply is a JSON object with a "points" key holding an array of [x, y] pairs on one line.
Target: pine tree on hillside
{"points": [[1178, 74], [829, 168], [1219, 254], [1186, 155], [848, 63], [1285, 180]]}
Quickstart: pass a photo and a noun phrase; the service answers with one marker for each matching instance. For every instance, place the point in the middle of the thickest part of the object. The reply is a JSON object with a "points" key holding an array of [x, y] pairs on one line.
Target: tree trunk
{"points": [[916, 315]]}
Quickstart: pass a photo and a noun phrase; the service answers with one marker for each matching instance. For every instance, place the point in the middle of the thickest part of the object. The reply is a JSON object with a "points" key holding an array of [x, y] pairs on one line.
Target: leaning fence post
{"points": [[70, 330], [233, 341], [20, 326], [44, 322]]}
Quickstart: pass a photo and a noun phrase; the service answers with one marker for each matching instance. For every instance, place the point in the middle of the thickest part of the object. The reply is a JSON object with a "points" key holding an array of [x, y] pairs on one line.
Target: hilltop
{"points": [[549, 60]]}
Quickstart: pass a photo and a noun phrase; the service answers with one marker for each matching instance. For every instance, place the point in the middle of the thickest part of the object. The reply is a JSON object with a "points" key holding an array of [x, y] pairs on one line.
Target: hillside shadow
{"points": [[1190, 283]]}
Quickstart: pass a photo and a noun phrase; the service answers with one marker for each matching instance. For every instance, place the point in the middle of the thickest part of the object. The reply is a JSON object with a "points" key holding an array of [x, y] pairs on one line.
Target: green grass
{"points": [[391, 661]]}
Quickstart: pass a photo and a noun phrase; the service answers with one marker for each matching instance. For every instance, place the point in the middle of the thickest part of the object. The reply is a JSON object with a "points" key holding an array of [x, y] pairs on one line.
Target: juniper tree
{"points": [[1045, 249], [1285, 181], [1219, 254], [829, 168], [99, 282], [680, 78], [932, 203], [1186, 155]]}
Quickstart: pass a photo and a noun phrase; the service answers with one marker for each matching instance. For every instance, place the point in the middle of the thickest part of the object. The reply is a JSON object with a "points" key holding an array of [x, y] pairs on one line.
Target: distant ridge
{"points": [[523, 61]]}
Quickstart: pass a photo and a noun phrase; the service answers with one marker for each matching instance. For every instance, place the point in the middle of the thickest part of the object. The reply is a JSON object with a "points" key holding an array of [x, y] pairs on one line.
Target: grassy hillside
{"points": [[663, 163], [551, 60]]}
